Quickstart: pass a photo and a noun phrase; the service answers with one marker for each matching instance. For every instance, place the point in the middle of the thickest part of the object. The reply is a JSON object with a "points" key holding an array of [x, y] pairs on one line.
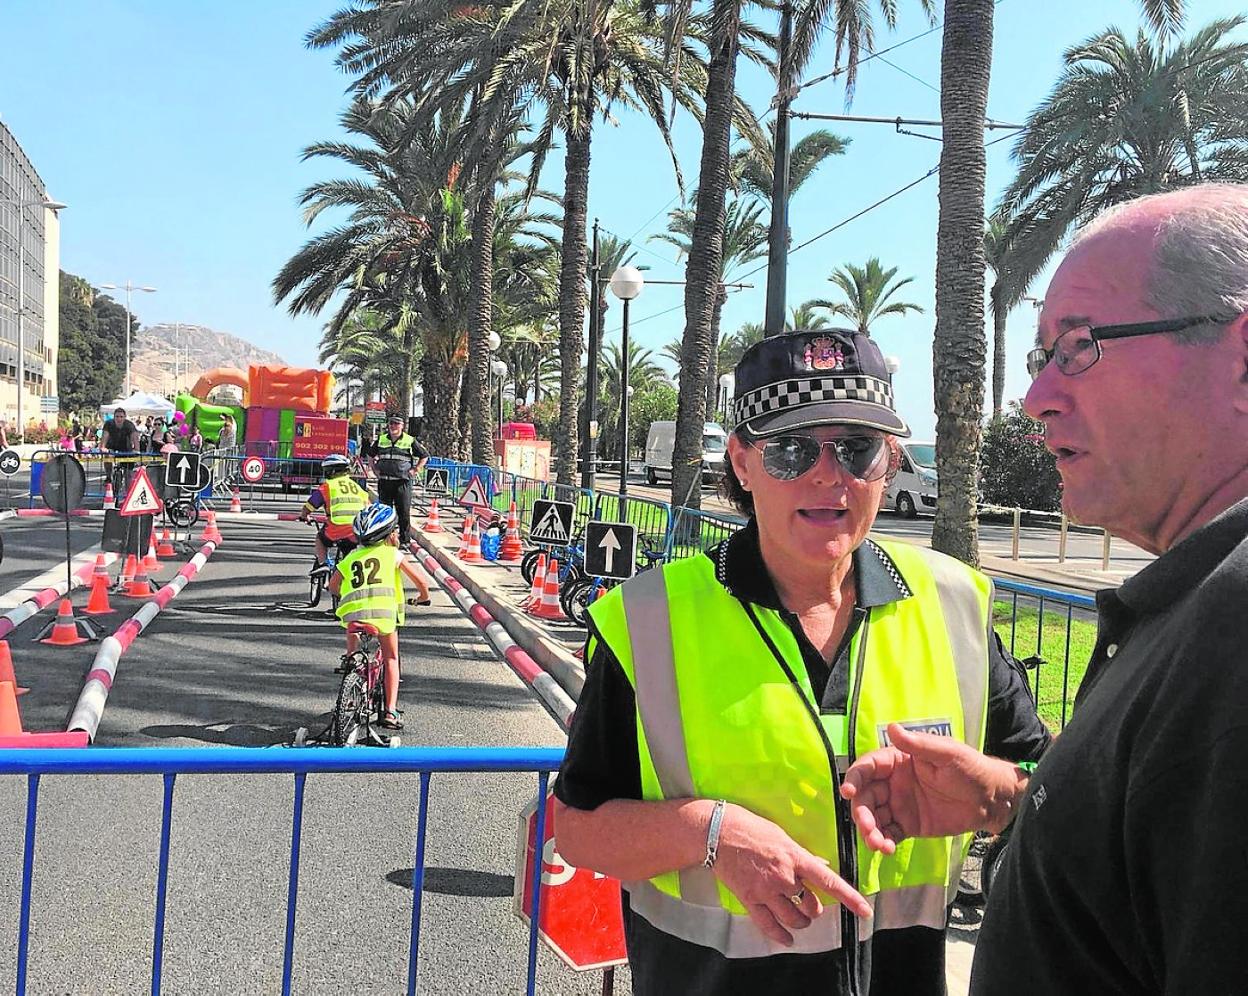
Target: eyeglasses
{"points": [[1078, 349], [786, 458]]}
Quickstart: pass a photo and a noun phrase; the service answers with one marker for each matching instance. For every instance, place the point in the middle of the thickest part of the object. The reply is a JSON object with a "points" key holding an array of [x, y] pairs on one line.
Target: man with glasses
{"points": [[726, 694], [1126, 870]]}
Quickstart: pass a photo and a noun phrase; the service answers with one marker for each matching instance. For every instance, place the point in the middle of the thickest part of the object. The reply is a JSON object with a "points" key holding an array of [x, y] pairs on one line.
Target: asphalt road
{"points": [[238, 659]]}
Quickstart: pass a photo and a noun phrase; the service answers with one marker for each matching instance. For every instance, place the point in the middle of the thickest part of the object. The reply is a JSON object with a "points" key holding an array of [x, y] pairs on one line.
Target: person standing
{"points": [[396, 458], [1126, 871], [228, 437]]}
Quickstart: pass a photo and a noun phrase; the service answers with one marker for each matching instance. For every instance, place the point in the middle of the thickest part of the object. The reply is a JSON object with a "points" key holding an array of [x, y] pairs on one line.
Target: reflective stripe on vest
{"points": [[394, 456], [723, 721], [379, 597], [344, 499]]}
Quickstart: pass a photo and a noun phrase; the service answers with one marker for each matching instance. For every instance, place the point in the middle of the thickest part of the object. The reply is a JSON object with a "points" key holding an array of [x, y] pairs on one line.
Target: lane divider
{"points": [[40, 600], [550, 691], [99, 682]]}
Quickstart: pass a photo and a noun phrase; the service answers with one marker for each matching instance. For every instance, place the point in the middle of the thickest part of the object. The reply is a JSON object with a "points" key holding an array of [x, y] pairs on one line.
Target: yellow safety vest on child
{"points": [[372, 587]]}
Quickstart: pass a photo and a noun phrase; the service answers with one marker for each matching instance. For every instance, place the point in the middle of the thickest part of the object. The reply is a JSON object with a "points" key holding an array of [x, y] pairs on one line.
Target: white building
{"points": [[30, 259]]}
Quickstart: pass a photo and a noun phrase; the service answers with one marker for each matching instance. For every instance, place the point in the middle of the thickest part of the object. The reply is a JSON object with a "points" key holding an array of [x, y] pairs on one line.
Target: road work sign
{"points": [[610, 550], [552, 521], [141, 499], [474, 494]]}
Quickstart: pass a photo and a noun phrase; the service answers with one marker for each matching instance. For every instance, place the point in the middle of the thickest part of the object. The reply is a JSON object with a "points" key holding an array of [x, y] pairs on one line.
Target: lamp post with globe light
{"points": [[128, 287], [48, 205], [727, 383], [627, 284]]}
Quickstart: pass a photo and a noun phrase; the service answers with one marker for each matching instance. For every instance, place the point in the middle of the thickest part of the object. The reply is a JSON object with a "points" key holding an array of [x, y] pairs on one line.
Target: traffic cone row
{"points": [[236, 504], [539, 581], [166, 548], [511, 550], [109, 500], [211, 533], [6, 668], [548, 607], [64, 632], [432, 525], [473, 554]]}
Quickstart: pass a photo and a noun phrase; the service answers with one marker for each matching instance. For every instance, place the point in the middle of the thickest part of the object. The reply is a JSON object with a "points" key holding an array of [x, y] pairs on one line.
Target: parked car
{"points": [[661, 440], [915, 487]]}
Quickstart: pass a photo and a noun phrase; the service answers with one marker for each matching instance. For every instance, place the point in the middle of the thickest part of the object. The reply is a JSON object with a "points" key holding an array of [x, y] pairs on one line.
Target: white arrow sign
{"points": [[184, 468], [611, 545]]}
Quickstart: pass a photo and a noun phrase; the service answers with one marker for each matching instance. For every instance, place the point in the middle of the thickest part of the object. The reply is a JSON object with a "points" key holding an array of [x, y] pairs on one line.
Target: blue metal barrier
{"points": [[300, 762]]}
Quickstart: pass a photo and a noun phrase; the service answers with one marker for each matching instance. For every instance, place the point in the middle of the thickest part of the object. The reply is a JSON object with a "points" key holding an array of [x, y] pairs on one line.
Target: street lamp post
{"points": [[48, 205], [627, 283], [499, 369], [727, 382], [129, 287]]}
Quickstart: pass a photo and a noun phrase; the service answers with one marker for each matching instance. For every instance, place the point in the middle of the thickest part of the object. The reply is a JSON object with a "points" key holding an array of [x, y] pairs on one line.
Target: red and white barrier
{"points": [[41, 597], [90, 706], [556, 699]]}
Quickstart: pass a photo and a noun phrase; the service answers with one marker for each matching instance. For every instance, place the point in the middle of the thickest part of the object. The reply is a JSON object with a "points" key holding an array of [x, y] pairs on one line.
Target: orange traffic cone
{"points": [[10, 718], [109, 500], [150, 563], [463, 539], [6, 668], [101, 568], [140, 587], [127, 572], [549, 607], [166, 545], [473, 553], [211, 533], [97, 604], [432, 525], [235, 504], [539, 581], [511, 549], [65, 631]]}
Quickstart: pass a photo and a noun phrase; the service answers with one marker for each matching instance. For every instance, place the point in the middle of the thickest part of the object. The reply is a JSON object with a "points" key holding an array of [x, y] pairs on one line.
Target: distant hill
{"points": [[168, 358]]}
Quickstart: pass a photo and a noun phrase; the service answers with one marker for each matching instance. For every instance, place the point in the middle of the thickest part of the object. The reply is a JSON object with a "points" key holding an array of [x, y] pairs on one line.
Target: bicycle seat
{"points": [[363, 627]]}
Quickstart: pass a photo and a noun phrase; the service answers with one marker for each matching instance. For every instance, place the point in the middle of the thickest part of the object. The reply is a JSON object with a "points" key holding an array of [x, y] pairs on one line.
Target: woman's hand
{"points": [[764, 867]]}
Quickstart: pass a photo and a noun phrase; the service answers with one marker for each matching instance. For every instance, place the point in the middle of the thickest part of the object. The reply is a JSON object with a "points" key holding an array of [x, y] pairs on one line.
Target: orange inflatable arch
{"points": [[222, 375]]}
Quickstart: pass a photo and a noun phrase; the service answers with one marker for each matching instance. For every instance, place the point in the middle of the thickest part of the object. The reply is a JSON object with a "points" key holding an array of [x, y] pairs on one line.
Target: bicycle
{"points": [[579, 594], [318, 577], [183, 508], [361, 696]]}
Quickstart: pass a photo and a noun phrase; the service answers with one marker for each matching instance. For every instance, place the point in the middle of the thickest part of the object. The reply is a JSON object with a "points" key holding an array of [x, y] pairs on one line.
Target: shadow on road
{"points": [[457, 881]]}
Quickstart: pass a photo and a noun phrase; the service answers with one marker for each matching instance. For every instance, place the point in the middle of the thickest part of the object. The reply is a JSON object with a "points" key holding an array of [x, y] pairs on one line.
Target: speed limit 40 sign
{"points": [[252, 469]]}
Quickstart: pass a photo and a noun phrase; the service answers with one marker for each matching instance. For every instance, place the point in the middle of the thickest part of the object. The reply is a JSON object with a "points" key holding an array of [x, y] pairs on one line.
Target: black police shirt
{"points": [[602, 764], [1127, 867]]}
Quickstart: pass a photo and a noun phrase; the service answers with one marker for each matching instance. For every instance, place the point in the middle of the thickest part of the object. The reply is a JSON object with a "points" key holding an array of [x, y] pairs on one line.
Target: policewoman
{"points": [[727, 693], [396, 458]]}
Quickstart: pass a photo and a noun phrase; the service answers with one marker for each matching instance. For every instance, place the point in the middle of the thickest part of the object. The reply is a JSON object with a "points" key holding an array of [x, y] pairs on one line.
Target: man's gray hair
{"points": [[1200, 252]]}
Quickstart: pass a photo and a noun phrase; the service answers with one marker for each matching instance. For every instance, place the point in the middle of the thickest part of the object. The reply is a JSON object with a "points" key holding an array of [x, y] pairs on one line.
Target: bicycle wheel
{"points": [[574, 599], [528, 566], [351, 709], [316, 585], [970, 881], [183, 514]]}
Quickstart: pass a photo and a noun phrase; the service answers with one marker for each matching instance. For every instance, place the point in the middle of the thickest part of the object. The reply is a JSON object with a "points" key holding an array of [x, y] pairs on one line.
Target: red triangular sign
{"points": [[142, 498], [474, 494]]}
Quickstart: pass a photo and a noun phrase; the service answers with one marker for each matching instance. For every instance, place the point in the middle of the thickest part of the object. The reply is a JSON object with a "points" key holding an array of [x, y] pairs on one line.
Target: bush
{"points": [[1015, 469]]}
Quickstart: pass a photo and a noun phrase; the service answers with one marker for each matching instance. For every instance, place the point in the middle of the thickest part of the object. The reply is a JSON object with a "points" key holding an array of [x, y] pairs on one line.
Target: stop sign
{"points": [[580, 919]]}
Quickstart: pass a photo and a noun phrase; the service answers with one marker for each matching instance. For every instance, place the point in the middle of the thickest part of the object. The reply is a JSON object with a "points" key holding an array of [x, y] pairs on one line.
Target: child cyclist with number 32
{"points": [[369, 583]]}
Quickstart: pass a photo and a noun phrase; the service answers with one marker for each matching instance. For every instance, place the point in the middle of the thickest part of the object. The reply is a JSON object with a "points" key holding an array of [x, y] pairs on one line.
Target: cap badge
{"points": [[823, 353]]}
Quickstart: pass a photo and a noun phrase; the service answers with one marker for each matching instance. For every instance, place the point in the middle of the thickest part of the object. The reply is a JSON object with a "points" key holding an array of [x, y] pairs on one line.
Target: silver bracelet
{"points": [[712, 834]]}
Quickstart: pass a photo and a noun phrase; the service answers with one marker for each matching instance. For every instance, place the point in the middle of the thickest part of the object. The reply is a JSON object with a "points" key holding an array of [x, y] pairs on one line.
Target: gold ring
{"points": [[797, 897]]}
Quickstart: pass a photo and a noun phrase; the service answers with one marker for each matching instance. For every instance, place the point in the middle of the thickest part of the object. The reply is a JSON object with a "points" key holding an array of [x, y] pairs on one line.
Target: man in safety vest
{"points": [[726, 694], [341, 499], [396, 459]]}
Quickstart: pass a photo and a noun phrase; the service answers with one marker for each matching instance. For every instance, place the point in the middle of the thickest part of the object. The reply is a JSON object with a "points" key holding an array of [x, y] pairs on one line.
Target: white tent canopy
{"points": [[139, 405]]}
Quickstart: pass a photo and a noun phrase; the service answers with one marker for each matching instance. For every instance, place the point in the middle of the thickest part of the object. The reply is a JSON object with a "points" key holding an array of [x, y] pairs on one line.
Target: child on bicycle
{"points": [[342, 499], [369, 584]]}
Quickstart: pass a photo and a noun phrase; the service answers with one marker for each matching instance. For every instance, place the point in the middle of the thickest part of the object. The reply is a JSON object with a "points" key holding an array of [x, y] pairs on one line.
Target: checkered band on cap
{"points": [[784, 394]]}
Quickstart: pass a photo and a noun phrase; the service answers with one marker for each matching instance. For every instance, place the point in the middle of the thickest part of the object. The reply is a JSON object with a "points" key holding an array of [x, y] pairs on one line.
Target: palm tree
{"points": [[643, 374], [867, 290], [744, 241], [754, 166], [1000, 299], [803, 318], [733, 346], [1127, 117]]}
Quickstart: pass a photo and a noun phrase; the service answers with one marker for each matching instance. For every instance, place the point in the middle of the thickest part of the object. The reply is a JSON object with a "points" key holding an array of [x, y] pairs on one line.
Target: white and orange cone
{"points": [[549, 607], [432, 524], [109, 500], [511, 550], [473, 554], [236, 504], [539, 581]]}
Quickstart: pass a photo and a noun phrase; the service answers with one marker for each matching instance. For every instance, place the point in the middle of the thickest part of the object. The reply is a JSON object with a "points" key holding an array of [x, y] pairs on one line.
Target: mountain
{"points": [[169, 358]]}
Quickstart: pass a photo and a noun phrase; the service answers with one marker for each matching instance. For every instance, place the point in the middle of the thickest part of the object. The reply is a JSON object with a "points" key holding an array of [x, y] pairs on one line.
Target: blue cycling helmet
{"points": [[375, 523], [335, 463]]}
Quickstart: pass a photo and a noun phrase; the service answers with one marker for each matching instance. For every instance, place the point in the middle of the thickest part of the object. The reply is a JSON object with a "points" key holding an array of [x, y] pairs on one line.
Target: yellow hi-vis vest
{"points": [[372, 587], [718, 718], [344, 500]]}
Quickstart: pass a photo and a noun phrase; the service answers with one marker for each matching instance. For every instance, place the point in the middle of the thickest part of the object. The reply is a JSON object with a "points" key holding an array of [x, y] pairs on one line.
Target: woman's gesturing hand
{"points": [[765, 869]]}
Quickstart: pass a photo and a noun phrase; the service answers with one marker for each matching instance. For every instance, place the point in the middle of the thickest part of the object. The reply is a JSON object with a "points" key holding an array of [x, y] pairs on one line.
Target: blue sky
{"points": [[173, 131]]}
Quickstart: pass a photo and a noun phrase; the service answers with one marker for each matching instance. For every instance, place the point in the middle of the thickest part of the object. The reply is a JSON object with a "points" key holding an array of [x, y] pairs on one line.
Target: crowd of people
{"points": [[147, 434]]}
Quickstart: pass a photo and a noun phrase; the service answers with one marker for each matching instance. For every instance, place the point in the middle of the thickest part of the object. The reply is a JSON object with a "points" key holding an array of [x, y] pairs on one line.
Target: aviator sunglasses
{"points": [[787, 458]]}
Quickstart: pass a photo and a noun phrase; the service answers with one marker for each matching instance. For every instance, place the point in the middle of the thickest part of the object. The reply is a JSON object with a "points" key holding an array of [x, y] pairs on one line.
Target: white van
{"points": [[914, 489], [661, 440]]}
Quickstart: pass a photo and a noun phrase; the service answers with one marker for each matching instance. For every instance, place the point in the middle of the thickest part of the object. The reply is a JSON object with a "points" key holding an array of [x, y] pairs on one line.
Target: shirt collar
{"points": [[739, 567], [1184, 567]]}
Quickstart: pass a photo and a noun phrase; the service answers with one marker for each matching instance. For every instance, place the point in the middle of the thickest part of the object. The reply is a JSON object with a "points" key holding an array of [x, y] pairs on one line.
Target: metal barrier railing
{"points": [[171, 762]]}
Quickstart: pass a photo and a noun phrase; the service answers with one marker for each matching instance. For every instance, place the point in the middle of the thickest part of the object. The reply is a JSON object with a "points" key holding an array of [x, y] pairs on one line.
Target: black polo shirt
{"points": [[602, 764], [1127, 869]]}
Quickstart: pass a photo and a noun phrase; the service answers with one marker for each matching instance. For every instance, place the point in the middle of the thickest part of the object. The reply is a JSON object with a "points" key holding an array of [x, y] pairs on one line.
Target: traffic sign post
{"points": [[551, 522], [610, 550], [436, 480], [63, 486], [579, 917], [252, 469]]}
